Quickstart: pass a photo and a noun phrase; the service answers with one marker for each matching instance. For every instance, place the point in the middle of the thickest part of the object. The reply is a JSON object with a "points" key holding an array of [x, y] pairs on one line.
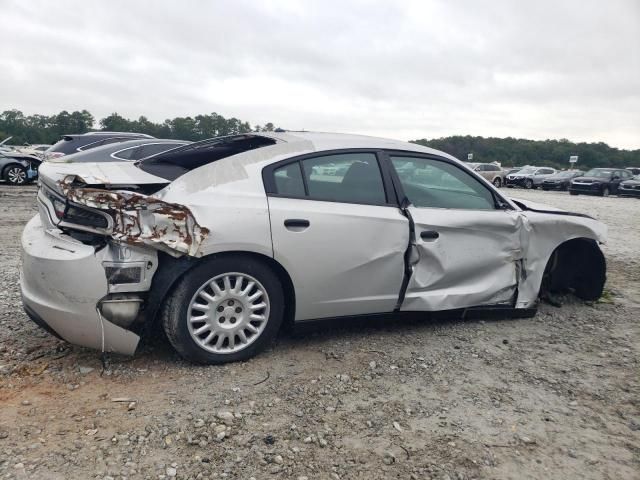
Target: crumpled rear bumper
{"points": [[62, 281]]}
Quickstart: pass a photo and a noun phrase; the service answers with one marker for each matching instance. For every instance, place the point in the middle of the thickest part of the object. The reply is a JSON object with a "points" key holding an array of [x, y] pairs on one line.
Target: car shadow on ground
{"points": [[156, 346]]}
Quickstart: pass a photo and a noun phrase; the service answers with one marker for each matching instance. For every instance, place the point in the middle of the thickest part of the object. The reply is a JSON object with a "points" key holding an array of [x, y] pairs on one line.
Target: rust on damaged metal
{"points": [[140, 219]]}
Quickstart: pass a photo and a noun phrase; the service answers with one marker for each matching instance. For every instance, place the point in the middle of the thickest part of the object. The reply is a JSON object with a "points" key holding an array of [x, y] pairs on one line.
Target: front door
{"points": [[468, 248]]}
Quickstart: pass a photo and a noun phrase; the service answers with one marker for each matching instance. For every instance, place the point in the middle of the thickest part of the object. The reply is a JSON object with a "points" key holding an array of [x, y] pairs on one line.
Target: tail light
{"points": [[75, 214]]}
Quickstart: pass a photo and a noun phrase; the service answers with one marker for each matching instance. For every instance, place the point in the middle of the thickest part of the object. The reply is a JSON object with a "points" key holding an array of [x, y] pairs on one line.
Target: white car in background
{"points": [[220, 241], [529, 177]]}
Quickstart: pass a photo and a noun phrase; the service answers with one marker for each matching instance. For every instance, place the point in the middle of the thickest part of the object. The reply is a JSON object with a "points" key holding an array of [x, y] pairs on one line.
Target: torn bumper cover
{"points": [[62, 283], [140, 219]]}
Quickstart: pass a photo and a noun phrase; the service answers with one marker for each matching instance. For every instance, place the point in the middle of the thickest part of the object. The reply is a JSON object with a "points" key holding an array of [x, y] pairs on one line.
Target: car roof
{"points": [[321, 141]]}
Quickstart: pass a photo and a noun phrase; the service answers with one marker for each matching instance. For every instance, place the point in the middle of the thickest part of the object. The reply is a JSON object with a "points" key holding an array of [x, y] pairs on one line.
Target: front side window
{"points": [[432, 183]]}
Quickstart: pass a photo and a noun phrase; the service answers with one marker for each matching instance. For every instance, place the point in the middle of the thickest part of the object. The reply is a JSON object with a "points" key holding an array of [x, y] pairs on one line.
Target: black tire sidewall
{"points": [[176, 308]]}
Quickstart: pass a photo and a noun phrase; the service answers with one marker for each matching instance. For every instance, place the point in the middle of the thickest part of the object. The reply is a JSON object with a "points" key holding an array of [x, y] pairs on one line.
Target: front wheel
{"points": [[528, 184], [15, 174], [497, 182], [224, 310], [605, 192]]}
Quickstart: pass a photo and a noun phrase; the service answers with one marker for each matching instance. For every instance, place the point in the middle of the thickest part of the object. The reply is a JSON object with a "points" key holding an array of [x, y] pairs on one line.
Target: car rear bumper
{"points": [[62, 283]]}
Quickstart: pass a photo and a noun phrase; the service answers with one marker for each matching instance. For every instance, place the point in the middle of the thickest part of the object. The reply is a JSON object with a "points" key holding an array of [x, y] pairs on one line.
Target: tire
{"points": [[573, 193], [528, 184], [497, 182], [605, 192], [195, 289], [15, 174]]}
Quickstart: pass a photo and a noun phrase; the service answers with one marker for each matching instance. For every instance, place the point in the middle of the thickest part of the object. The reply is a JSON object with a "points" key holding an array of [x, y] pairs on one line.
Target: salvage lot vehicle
{"points": [[69, 144], [630, 188], [599, 181], [18, 168], [127, 151], [529, 177], [560, 180], [490, 171], [222, 240]]}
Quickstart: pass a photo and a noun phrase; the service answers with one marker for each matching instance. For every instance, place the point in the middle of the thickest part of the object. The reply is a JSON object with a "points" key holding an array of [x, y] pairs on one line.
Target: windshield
{"points": [[598, 173], [527, 170]]}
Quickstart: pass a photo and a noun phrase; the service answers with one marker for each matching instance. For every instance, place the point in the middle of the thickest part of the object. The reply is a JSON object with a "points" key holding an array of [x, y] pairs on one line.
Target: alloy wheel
{"points": [[16, 175], [228, 313]]}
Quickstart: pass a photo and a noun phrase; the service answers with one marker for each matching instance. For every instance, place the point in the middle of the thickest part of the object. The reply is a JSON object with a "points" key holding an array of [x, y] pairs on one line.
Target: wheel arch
{"points": [[171, 270], [576, 265]]}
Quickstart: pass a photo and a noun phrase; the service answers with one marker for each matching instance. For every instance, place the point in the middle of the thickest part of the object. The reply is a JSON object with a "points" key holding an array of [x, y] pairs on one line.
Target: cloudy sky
{"points": [[406, 69]]}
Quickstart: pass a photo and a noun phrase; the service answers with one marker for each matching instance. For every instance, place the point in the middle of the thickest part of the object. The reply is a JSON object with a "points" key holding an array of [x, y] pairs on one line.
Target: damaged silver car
{"points": [[219, 242]]}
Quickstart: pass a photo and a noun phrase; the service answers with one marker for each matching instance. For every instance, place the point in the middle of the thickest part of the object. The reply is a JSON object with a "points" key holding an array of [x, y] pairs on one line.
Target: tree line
{"points": [[49, 128], [507, 151], [516, 152]]}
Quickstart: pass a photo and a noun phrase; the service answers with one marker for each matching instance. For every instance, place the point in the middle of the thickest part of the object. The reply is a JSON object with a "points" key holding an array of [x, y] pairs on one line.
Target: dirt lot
{"points": [[554, 396]]}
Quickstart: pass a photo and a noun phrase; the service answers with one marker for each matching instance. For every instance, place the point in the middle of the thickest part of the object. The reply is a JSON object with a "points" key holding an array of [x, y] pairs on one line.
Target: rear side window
{"points": [[348, 177], [288, 180]]}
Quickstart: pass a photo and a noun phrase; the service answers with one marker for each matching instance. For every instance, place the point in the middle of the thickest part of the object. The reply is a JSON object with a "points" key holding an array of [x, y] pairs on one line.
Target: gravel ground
{"points": [[554, 396]]}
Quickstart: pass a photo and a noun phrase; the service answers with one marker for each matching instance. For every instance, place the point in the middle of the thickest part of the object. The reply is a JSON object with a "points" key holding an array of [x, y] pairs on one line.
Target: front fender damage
{"points": [[140, 219]]}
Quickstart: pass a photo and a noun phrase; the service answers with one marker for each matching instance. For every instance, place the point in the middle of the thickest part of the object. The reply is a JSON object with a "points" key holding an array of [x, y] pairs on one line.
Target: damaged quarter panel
{"points": [[228, 198]]}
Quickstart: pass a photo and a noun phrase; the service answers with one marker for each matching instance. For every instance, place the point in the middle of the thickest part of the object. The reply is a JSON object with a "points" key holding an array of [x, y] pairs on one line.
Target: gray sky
{"points": [[407, 69]]}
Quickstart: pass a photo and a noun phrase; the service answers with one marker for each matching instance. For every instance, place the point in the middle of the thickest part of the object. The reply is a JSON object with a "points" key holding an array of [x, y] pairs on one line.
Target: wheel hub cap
{"points": [[228, 313]]}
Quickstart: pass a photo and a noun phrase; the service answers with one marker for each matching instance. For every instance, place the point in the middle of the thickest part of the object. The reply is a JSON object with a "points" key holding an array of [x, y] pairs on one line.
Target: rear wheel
{"points": [[224, 310], [15, 174], [497, 182]]}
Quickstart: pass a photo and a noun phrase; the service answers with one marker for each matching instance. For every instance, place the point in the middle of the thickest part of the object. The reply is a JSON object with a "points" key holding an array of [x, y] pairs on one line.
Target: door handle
{"points": [[429, 235], [296, 224]]}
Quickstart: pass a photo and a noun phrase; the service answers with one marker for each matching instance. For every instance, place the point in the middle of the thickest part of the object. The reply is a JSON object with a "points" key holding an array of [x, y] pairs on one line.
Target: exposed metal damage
{"points": [[140, 219]]}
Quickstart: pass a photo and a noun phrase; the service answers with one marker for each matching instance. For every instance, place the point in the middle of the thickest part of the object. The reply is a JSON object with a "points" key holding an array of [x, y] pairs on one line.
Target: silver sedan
{"points": [[220, 241]]}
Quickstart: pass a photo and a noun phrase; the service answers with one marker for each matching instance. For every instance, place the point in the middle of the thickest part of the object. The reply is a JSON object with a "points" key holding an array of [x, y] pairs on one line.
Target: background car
{"points": [[490, 171], [529, 177], [634, 170], [630, 188], [18, 168], [129, 150], [560, 180], [599, 181], [84, 141]]}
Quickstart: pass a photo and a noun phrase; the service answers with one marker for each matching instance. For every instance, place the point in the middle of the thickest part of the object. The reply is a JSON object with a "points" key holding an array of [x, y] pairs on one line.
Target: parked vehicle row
{"points": [[20, 166], [600, 181]]}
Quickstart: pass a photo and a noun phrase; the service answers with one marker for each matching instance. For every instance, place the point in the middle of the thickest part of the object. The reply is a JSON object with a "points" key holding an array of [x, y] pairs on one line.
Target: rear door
{"points": [[337, 229], [469, 248]]}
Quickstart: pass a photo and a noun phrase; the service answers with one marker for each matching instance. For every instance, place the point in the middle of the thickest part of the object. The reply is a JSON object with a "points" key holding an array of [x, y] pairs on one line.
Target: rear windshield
{"points": [[77, 143], [177, 162]]}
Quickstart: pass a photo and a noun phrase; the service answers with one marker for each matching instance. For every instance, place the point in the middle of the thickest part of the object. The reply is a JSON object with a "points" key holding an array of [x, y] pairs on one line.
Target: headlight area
{"points": [[129, 271]]}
